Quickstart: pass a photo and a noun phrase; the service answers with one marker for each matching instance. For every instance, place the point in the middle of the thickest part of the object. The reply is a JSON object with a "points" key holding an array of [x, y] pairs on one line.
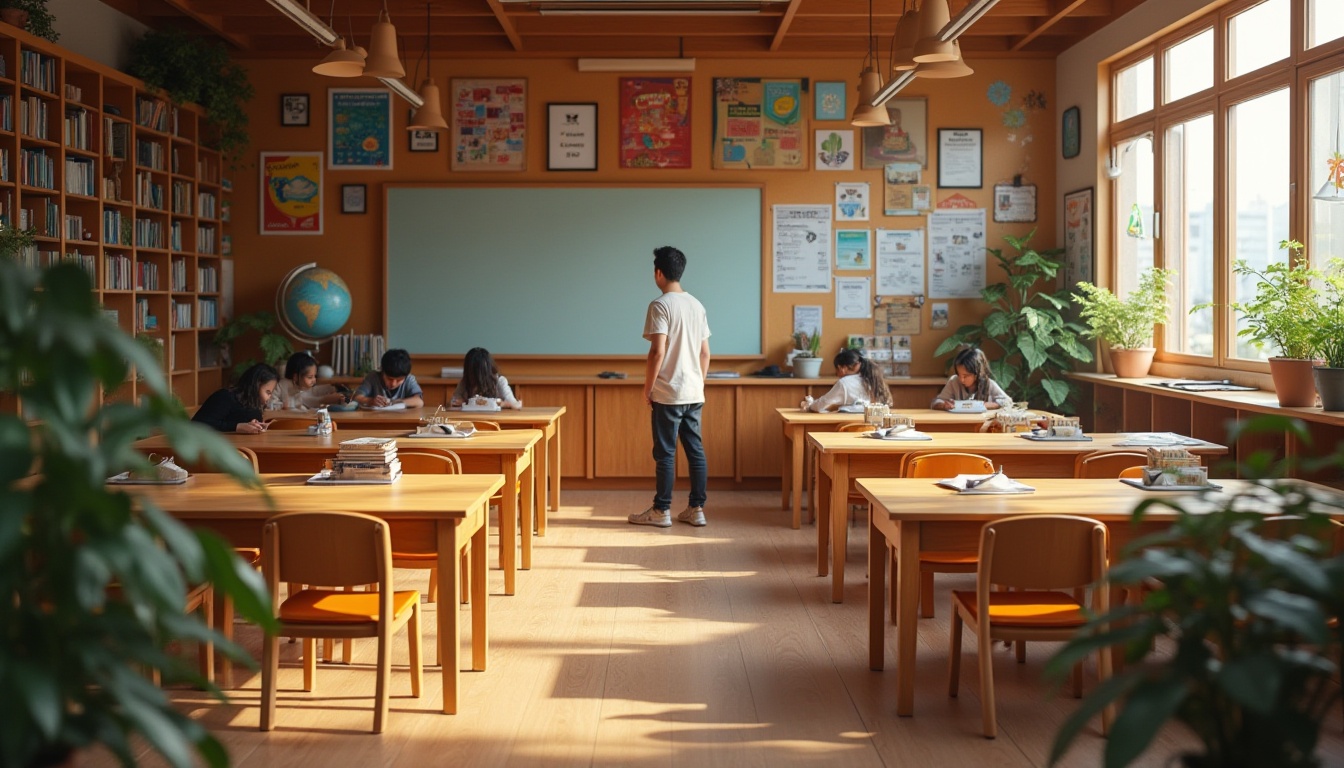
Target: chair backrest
{"points": [[327, 549], [288, 424], [1133, 473], [1042, 552], [417, 463], [946, 465], [1102, 464], [486, 426], [857, 426], [1287, 526], [251, 456]]}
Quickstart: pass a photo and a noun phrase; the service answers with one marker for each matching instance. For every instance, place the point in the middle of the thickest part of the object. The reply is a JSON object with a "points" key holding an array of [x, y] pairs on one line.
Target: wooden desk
{"points": [[428, 513], [797, 423], [846, 455], [544, 417], [507, 453], [916, 514]]}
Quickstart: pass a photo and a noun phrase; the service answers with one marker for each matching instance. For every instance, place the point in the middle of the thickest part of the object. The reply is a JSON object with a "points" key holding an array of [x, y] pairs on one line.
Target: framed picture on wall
{"points": [[905, 140], [294, 109], [1070, 131], [1078, 236], [423, 141], [829, 101], [655, 120], [354, 198], [571, 137], [960, 158], [489, 124], [291, 193], [359, 130]]}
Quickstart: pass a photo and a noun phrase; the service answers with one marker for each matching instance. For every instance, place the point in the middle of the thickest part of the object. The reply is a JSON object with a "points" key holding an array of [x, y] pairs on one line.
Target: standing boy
{"points": [[392, 384], [674, 387]]}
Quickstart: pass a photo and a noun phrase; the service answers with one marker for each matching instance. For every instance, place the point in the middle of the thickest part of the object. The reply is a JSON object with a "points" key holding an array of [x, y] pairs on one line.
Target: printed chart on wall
{"points": [[489, 125], [360, 131], [291, 193], [900, 262], [957, 254], [802, 249], [656, 122], [759, 124]]}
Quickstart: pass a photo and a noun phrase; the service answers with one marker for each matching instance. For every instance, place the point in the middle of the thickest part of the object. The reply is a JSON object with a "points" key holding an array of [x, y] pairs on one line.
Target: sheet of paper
{"points": [[807, 318], [802, 249], [853, 249], [853, 297], [957, 253], [900, 262]]}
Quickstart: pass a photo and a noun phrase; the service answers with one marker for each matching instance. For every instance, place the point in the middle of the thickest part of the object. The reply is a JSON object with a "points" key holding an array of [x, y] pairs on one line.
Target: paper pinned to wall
{"points": [[853, 297], [802, 249], [900, 262], [957, 253], [807, 319]]}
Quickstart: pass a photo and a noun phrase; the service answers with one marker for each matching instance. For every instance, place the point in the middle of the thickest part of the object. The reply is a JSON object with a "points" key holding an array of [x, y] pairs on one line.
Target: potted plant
{"points": [[1282, 315], [76, 653], [806, 359], [1244, 612], [194, 69], [1328, 338], [31, 15], [1036, 345], [275, 347], [1126, 325]]}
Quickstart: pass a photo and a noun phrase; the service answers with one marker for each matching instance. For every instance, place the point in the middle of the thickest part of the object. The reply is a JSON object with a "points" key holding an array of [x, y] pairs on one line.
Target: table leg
{"points": [[480, 548], [839, 524], [555, 469], [877, 582], [542, 459], [796, 475], [823, 520], [450, 625], [508, 526], [907, 623], [528, 500]]}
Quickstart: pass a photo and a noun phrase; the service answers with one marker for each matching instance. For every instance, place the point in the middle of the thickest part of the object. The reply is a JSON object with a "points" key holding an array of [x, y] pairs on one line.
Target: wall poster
{"points": [[759, 124], [851, 201], [802, 249], [656, 122], [1078, 237], [291, 193], [359, 128], [489, 124], [853, 249], [957, 254], [900, 262], [1014, 202], [906, 140]]}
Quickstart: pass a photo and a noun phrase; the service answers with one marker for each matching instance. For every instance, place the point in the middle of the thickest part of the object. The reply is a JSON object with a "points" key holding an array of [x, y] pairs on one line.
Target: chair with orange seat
{"points": [[487, 426], [1102, 464], [1132, 473], [326, 550], [292, 424], [942, 465], [1047, 559]]}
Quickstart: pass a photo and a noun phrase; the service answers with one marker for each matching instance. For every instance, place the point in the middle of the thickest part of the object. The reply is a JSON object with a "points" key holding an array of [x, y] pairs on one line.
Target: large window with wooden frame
{"points": [[1221, 132]]}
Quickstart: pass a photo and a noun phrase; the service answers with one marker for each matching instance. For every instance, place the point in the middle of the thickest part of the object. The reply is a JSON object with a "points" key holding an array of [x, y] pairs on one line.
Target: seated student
{"points": [[859, 381], [299, 389], [971, 382], [238, 408], [481, 377], [391, 384]]}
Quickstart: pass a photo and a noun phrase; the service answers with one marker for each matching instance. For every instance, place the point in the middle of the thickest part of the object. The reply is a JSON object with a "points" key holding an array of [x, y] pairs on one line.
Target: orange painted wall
{"points": [[352, 244]]}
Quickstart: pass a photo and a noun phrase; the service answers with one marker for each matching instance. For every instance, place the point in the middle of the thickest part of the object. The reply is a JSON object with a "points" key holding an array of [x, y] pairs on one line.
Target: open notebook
{"points": [[984, 484]]}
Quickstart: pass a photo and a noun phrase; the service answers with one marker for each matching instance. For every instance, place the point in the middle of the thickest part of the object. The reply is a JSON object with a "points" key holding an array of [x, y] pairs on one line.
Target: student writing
{"points": [[238, 408], [971, 382], [859, 382], [480, 378], [299, 389], [391, 384]]}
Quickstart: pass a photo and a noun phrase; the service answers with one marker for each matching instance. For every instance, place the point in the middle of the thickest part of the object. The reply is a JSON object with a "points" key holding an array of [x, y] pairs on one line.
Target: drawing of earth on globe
{"points": [[315, 303]]}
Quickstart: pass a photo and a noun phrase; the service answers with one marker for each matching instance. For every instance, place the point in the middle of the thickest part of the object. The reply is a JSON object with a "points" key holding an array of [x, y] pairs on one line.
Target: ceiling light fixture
{"points": [[429, 117], [383, 60], [1332, 191], [933, 17], [340, 62], [945, 69], [950, 31], [903, 42], [870, 82]]}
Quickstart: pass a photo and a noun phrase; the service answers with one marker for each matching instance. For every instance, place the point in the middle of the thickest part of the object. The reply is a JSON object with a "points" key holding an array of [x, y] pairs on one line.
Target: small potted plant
{"points": [[275, 347], [1126, 325], [806, 358], [30, 15], [1282, 315], [1328, 338]]}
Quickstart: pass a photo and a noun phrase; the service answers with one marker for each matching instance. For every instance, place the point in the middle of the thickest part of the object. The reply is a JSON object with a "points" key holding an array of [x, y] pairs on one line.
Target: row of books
{"points": [[74, 227], [81, 177], [48, 225], [112, 227], [155, 114], [149, 234], [73, 92], [205, 240], [205, 203], [207, 171], [150, 154], [146, 276], [207, 312], [356, 353], [4, 165], [117, 273], [177, 275], [38, 71], [175, 236], [33, 118], [144, 321], [115, 135], [37, 169], [147, 193], [207, 280], [77, 134], [182, 197], [7, 112], [32, 257], [181, 314]]}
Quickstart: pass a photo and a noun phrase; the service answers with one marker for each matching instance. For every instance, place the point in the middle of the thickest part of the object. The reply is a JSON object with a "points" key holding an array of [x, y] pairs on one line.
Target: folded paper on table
{"points": [[1046, 437], [1157, 439], [1137, 483], [480, 403], [443, 430], [391, 407], [901, 432], [322, 478], [984, 484], [968, 406]]}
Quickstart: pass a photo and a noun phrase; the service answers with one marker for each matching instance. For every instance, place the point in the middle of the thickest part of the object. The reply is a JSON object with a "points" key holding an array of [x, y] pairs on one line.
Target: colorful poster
{"points": [[802, 249], [835, 150], [905, 140], [489, 124], [656, 122], [957, 254], [291, 193], [359, 130], [759, 124], [851, 201], [853, 249]]}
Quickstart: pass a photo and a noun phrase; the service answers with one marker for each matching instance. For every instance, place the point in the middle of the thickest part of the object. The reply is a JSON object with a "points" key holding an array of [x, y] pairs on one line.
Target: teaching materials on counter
{"points": [[771, 372], [323, 425], [723, 375], [126, 478], [461, 429], [1195, 385], [1044, 436], [481, 403], [1012, 421], [994, 483], [611, 375], [1159, 439], [968, 406], [450, 372]]}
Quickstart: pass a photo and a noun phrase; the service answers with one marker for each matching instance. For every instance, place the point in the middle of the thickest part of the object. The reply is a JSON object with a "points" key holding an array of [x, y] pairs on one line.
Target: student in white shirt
{"points": [[859, 381], [481, 378], [299, 389], [971, 382]]}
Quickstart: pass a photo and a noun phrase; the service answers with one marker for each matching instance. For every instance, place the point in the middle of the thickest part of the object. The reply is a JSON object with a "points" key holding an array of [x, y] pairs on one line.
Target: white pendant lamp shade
{"points": [[865, 114], [945, 69], [341, 62], [383, 60], [933, 16], [1329, 193], [907, 34], [429, 117]]}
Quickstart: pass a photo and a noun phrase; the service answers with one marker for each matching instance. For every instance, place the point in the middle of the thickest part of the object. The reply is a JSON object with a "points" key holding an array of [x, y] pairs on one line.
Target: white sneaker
{"points": [[693, 516], [651, 516]]}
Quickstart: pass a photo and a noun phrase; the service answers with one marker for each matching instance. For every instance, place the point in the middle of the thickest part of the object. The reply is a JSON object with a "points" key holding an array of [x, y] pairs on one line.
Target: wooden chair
{"points": [[941, 465], [335, 549], [1101, 464], [1039, 555], [1132, 473], [251, 456], [251, 556], [416, 463], [487, 426], [291, 423]]}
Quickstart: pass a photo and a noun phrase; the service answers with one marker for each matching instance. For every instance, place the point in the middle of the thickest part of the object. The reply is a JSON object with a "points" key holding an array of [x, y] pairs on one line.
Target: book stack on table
{"points": [[367, 458]]}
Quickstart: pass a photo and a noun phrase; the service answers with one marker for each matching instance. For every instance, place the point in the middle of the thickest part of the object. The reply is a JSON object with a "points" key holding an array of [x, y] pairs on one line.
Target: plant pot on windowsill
{"points": [[1132, 363], [1294, 382], [1330, 383], [807, 367], [15, 17]]}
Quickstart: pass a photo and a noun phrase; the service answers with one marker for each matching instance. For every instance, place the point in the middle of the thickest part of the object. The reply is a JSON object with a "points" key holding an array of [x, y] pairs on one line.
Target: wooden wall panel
{"points": [[575, 458], [760, 440]]}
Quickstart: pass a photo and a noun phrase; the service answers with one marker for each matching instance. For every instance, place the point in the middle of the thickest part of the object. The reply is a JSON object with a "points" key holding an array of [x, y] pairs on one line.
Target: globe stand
{"points": [[282, 310]]}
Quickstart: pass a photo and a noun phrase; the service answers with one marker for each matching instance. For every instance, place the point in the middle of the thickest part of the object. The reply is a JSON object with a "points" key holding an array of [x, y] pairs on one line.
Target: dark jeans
{"points": [[668, 422]]}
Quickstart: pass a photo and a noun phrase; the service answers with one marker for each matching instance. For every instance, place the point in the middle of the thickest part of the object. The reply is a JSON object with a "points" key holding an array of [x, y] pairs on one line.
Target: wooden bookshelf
{"points": [[128, 184]]}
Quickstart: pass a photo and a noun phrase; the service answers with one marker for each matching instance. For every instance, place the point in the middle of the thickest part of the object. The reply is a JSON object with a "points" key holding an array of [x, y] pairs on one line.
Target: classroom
{"points": [[1060, 259]]}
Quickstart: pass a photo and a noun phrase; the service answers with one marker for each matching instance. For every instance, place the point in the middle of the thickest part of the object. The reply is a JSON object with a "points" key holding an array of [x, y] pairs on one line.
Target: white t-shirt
{"points": [[287, 395], [848, 390], [680, 317]]}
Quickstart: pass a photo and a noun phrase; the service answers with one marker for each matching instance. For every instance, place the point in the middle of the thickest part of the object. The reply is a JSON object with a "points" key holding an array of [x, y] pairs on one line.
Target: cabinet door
{"points": [[760, 433], [717, 431], [623, 433], [575, 453]]}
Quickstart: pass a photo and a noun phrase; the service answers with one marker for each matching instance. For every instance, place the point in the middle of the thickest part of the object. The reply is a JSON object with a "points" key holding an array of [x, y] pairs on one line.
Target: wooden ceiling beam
{"points": [[214, 23], [506, 24], [1064, 8], [784, 24]]}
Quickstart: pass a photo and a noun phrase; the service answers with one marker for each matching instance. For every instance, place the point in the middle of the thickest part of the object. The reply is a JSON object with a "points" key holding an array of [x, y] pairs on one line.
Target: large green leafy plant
{"points": [[1284, 309], [1125, 323], [1036, 344], [1328, 327], [76, 652], [196, 70], [1243, 611]]}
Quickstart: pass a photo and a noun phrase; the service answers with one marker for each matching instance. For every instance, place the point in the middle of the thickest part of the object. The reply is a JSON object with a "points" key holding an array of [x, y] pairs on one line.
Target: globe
{"points": [[313, 303]]}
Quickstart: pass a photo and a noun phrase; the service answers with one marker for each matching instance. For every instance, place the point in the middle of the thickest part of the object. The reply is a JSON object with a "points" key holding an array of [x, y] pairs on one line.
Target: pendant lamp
{"points": [[907, 34], [341, 62], [945, 69], [429, 117], [383, 60], [870, 82], [933, 16]]}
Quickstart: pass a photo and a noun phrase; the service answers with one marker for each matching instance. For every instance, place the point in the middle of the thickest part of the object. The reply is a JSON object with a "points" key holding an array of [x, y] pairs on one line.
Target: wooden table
{"points": [[427, 513], [915, 514], [544, 417], [797, 423], [843, 456], [507, 452]]}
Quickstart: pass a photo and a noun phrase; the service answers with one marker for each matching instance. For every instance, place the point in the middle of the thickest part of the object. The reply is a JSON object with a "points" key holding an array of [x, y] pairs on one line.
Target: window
{"points": [[1257, 37], [1134, 212], [1188, 67], [1187, 233], [1326, 224], [1134, 90], [1325, 22]]}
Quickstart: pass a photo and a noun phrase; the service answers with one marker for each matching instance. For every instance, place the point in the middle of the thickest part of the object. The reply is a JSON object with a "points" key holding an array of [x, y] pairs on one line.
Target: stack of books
{"points": [[1174, 467], [367, 458]]}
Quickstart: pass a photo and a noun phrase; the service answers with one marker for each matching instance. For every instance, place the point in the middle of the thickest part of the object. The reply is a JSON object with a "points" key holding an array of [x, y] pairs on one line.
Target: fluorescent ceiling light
{"points": [[954, 28], [636, 65], [894, 87]]}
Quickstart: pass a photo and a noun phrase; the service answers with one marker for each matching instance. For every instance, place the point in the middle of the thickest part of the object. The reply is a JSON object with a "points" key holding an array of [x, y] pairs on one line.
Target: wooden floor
{"points": [[639, 646]]}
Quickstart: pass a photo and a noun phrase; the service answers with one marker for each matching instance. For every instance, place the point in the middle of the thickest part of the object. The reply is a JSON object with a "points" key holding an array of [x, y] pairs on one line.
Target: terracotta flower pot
{"points": [[15, 17], [1293, 381], [1132, 363]]}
